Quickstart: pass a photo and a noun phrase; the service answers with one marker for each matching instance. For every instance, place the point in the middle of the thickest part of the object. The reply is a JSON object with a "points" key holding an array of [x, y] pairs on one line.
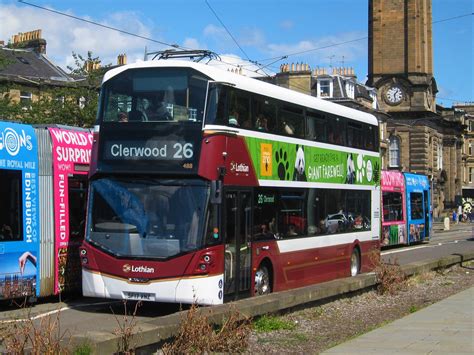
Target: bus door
{"points": [[237, 244], [426, 202]]}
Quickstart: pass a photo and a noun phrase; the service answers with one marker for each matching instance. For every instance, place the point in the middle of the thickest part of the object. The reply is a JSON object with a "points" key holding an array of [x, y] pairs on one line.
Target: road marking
{"points": [[41, 315], [405, 249], [421, 246]]}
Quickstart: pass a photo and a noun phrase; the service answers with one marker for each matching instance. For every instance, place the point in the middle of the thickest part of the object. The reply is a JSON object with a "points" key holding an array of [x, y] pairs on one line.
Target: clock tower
{"points": [[400, 55]]}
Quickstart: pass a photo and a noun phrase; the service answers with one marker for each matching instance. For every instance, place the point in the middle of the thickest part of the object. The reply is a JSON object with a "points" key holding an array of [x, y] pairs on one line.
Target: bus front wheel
{"points": [[262, 281], [355, 262]]}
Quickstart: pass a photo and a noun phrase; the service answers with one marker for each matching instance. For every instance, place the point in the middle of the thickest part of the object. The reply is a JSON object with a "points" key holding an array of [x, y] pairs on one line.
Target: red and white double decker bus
{"points": [[206, 186]]}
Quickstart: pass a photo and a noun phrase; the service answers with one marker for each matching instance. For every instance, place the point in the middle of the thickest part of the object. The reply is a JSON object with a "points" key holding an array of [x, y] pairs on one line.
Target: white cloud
{"points": [[323, 51], [252, 37], [193, 43], [215, 31], [65, 35]]}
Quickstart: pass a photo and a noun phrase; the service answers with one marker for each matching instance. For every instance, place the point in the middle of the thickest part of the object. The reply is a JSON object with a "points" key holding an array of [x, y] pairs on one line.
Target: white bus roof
{"points": [[252, 85]]}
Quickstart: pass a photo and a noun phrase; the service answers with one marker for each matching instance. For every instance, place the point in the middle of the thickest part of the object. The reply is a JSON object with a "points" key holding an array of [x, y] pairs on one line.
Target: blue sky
{"points": [[264, 29]]}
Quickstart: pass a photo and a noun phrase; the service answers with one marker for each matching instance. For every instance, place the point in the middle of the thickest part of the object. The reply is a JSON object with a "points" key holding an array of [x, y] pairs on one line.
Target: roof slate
{"points": [[28, 64]]}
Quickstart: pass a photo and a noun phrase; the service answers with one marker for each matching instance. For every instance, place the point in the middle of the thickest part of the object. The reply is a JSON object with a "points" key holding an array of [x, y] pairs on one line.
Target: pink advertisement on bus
{"points": [[394, 208], [71, 159]]}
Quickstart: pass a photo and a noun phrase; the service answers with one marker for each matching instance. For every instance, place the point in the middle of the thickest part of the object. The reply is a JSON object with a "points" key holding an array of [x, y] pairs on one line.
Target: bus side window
{"points": [[370, 137], [291, 120], [264, 114], [265, 224], [316, 123], [239, 108], [292, 214]]}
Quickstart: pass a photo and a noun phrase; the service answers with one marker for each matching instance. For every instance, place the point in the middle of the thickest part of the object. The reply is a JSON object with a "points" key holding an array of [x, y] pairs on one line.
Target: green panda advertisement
{"points": [[292, 162]]}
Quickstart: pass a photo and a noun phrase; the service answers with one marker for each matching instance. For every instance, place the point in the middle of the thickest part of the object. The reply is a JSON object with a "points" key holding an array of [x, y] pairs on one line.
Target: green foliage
{"points": [[83, 349], [73, 104], [271, 323], [56, 105], [4, 61]]}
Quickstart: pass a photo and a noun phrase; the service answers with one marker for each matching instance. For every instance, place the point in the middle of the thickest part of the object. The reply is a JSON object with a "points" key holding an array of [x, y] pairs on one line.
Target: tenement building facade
{"points": [[423, 137]]}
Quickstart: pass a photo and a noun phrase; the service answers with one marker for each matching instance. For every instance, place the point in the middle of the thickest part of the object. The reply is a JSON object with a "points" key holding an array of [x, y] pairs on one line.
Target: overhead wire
{"points": [[173, 45], [252, 62], [227, 30], [233, 38], [350, 41]]}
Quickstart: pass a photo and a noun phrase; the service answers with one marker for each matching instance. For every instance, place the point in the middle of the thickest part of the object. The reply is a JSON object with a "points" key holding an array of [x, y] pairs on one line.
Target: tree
{"points": [[70, 104]]}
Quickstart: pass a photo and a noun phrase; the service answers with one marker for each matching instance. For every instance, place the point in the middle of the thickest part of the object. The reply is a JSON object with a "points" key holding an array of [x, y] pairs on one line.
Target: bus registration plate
{"points": [[142, 296]]}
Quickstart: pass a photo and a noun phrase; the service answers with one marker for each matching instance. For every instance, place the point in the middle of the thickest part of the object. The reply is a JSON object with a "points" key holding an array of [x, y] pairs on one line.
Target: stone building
{"points": [[26, 71], [29, 77], [423, 137]]}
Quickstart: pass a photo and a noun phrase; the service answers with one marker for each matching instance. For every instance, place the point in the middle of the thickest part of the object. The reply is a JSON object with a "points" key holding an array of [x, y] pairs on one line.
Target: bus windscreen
{"points": [[147, 218]]}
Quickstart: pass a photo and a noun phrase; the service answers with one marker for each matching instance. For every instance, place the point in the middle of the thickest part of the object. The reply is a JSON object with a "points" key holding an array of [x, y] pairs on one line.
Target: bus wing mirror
{"points": [[216, 192]]}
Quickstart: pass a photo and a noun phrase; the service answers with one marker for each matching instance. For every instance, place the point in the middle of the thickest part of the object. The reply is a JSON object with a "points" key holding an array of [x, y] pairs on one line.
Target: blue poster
{"points": [[19, 211]]}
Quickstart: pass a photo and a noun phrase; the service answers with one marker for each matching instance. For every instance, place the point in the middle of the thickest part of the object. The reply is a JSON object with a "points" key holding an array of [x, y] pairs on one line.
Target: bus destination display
{"points": [[149, 150]]}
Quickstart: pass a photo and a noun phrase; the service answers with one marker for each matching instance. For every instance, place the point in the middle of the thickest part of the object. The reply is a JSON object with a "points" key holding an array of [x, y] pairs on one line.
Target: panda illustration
{"points": [[351, 174], [299, 174]]}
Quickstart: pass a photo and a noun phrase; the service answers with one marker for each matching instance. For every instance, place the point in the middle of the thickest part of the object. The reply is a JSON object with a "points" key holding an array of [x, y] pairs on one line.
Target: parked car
{"points": [[336, 222]]}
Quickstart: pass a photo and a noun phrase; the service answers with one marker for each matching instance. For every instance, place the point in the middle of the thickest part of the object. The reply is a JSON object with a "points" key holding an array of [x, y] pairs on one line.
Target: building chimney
{"points": [[91, 65], [122, 59], [30, 40]]}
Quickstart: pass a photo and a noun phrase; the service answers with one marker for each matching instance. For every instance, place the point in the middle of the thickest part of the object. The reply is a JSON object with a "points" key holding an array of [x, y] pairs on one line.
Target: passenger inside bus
{"points": [[262, 123], [234, 118], [156, 109], [122, 117], [135, 115], [247, 123], [263, 232], [292, 230]]}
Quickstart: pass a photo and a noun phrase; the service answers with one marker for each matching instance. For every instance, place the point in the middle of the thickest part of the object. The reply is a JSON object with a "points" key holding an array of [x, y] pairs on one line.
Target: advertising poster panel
{"points": [[19, 212], [71, 159]]}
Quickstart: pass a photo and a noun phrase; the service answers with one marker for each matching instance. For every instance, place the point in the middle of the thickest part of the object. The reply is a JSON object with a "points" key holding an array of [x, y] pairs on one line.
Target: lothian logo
{"points": [[239, 167], [145, 269]]}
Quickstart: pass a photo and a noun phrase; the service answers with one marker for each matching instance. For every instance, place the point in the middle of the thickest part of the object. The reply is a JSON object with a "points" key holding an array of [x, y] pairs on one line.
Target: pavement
{"points": [[446, 327], [438, 227], [436, 327]]}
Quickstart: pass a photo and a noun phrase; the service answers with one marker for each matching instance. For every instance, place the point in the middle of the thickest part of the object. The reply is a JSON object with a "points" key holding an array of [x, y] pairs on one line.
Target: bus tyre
{"points": [[355, 262], [262, 281]]}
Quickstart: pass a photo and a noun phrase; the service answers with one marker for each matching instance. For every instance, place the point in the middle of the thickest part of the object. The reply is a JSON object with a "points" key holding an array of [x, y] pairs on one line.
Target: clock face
{"points": [[394, 95]]}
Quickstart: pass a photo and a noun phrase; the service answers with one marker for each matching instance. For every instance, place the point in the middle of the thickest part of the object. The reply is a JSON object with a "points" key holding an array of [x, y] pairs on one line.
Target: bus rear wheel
{"points": [[355, 262], [262, 281]]}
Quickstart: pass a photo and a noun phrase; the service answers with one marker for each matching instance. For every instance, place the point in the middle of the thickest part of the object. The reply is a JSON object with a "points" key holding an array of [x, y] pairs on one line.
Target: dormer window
{"points": [[23, 60], [373, 96], [350, 90], [324, 88]]}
